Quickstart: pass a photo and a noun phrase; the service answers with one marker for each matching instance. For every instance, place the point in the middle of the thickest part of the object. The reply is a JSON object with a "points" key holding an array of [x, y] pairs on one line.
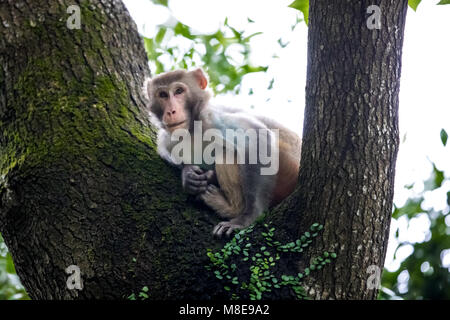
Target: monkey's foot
{"points": [[212, 196], [227, 228]]}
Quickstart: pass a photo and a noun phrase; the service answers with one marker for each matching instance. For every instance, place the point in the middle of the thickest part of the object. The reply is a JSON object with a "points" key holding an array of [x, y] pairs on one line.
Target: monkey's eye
{"points": [[163, 94], [179, 90]]}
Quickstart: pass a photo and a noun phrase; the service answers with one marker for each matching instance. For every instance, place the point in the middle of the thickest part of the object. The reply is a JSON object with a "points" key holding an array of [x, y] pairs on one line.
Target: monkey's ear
{"points": [[200, 77], [146, 88]]}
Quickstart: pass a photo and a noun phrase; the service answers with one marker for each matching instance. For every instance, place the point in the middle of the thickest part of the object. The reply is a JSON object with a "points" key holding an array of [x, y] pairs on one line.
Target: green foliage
{"points": [[213, 51], [10, 286], [303, 6], [415, 3], [259, 272], [422, 275], [142, 295]]}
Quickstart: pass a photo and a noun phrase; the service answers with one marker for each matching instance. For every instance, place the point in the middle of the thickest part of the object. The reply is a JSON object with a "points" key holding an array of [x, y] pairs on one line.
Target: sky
{"points": [[424, 88]]}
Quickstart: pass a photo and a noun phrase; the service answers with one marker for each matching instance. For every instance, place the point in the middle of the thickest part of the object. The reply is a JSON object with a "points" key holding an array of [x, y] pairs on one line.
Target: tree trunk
{"points": [[81, 182], [350, 141]]}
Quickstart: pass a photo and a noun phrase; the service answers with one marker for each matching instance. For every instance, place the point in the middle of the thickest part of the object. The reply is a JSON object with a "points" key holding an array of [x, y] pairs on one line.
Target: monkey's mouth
{"points": [[177, 124]]}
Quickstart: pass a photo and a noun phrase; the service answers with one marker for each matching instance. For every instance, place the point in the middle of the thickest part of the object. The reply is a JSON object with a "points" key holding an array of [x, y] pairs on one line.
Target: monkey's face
{"points": [[170, 105], [177, 98]]}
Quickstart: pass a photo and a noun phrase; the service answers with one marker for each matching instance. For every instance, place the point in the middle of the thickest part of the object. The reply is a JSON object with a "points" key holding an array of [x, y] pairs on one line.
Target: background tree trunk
{"points": [[81, 183]]}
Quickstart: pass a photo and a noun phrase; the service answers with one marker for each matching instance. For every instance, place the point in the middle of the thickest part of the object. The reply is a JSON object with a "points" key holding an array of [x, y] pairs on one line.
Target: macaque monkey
{"points": [[236, 190]]}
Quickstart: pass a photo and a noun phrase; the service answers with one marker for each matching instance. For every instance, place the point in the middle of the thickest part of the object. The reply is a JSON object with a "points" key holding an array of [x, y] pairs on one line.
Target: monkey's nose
{"points": [[170, 112]]}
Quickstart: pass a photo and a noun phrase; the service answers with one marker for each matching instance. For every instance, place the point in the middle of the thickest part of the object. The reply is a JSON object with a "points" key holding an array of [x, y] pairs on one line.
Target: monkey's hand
{"points": [[211, 177], [227, 227], [194, 180]]}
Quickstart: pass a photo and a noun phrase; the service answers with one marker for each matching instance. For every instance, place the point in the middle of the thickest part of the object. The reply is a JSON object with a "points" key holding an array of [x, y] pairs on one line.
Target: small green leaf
{"points": [[413, 4], [161, 2], [444, 135], [436, 179], [143, 295], [160, 35], [444, 2], [303, 6], [270, 87]]}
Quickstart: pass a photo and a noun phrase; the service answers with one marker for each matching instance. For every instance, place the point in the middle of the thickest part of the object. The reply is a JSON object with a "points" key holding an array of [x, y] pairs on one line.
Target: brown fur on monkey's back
{"points": [[287, 176], [289, 150]]}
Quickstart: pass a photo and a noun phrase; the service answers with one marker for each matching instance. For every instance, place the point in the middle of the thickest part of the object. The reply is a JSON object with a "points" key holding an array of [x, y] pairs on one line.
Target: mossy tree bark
{"points": [[81, 183], [80, 180]]}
